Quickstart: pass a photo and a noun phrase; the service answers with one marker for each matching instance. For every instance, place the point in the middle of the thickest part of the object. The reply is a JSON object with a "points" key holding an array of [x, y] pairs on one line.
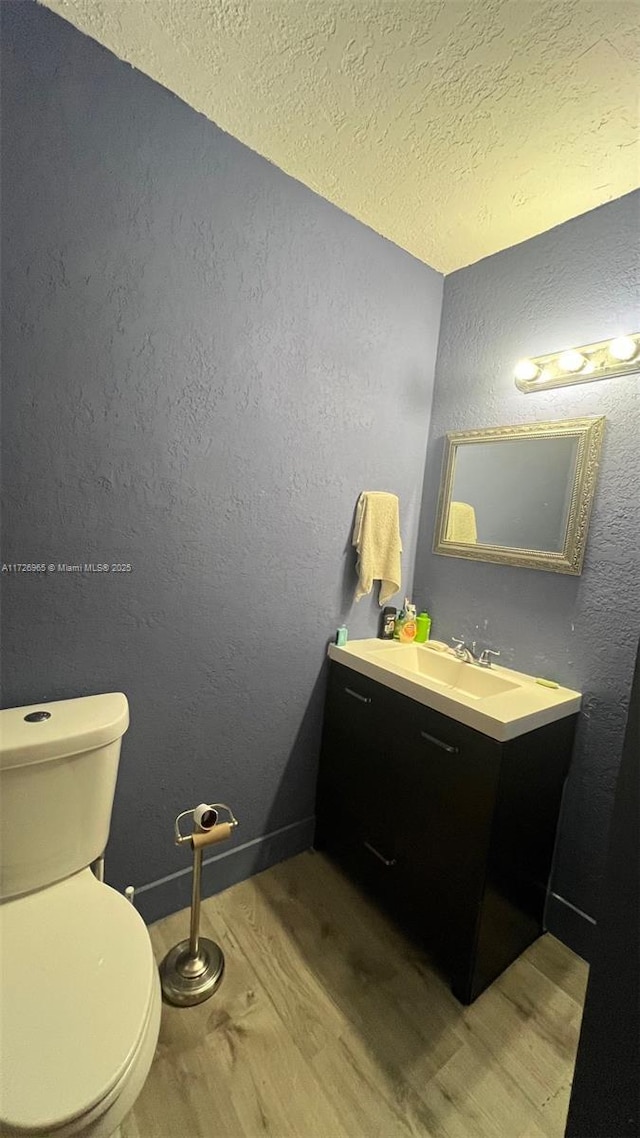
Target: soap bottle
{"points": [[405, 629], [388, 623], [423, 627]]}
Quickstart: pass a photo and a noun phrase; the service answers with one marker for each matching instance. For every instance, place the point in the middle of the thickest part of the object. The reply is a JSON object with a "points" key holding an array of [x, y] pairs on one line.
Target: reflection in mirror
{"points": [[521, 495], [515, 494]]}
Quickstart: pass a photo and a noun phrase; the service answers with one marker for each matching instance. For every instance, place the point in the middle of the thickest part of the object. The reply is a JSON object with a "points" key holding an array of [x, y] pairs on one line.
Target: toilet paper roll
{"points": [[205, 816], [219, 833]]}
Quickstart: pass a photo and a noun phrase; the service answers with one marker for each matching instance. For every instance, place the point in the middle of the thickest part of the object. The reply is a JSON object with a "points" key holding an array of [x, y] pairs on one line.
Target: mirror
{"points": [[520, 495]]}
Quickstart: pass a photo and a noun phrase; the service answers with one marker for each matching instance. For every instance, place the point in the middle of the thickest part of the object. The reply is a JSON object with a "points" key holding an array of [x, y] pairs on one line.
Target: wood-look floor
{"points": [[330, 1024]]}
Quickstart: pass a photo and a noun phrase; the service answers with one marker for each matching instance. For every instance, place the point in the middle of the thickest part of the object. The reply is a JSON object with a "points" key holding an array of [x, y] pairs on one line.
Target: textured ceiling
{"points": [[454, 127]]}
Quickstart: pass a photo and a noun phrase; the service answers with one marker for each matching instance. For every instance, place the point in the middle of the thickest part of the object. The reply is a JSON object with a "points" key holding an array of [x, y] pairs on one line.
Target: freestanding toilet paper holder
{"points": [[192, 970]]}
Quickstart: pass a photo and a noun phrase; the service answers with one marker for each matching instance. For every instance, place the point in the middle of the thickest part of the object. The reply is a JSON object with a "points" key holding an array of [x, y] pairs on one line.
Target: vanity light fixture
{"points": [[571, 361], [624, 348], [526, 369], [604, 360]]}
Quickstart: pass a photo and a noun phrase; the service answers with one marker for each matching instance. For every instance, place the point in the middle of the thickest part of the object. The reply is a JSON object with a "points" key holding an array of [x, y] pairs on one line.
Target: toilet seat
{"points": [[79, 985]]}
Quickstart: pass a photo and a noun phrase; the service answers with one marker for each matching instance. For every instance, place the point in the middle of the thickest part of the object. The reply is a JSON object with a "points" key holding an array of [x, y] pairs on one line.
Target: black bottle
{"points": [[387, 623]]}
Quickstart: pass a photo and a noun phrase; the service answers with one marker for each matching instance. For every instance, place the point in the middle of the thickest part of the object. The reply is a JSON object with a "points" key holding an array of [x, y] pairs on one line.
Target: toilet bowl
{"points": [[81, 1009], [79, 989]]}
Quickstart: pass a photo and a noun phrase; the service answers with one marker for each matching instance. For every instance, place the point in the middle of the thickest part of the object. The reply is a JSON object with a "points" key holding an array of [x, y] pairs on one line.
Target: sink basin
{"points": [[447, 670], [498, 701]]}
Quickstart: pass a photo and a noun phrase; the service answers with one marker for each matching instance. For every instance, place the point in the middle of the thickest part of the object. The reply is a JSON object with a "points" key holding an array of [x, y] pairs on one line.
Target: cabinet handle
{"points": [[384, 860], [356, 695], [439, 743]]}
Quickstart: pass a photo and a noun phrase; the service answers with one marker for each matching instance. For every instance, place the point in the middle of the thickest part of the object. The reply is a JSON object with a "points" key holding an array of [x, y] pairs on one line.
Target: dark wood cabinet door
{"points": [[446, 777], [353, 742], [355, 782]]}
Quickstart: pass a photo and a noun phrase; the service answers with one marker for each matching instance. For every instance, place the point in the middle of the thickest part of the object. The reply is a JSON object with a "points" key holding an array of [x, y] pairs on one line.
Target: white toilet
{"points": [[79, 989]]}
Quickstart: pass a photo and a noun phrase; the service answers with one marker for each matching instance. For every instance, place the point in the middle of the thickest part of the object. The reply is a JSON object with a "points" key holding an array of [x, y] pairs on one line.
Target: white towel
{"points": [[461, 524], [376, 537]]}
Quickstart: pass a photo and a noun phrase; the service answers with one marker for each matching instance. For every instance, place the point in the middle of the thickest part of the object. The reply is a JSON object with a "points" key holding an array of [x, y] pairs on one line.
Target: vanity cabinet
{"points": [[452, 831]]}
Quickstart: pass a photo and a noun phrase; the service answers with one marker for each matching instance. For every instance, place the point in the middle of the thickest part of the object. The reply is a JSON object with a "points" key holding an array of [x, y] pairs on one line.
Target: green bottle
{"points": [[423, 623]]}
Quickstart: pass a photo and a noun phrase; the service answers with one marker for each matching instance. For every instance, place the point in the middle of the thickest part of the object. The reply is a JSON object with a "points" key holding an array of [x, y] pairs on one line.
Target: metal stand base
{"points": [[187, 979]]}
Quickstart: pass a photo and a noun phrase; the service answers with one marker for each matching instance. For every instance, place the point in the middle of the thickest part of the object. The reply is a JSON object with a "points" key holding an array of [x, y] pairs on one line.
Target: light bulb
{"points": [[571, 361], [526, 369], [623, 348]]}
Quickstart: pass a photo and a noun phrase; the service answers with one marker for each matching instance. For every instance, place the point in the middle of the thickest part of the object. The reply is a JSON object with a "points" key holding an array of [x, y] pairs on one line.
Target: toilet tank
{"points": [[58, 770]]}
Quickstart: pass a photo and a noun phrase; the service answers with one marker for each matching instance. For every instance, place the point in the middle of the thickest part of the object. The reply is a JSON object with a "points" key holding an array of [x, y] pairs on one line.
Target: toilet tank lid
{"points": [[44, 731]]}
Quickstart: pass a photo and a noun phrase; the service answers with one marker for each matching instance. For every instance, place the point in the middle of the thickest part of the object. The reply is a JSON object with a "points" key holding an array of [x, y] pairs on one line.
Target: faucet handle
{"points": [[484, 660], [463, 651]]}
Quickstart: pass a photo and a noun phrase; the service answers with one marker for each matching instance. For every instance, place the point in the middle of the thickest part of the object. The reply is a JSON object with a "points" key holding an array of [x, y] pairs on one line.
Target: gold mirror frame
{"points": [[589, 433]]}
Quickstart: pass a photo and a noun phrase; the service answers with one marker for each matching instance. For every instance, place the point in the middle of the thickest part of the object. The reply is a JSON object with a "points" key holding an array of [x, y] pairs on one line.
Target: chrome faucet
{"points": [[468, 654], [463, 652]]}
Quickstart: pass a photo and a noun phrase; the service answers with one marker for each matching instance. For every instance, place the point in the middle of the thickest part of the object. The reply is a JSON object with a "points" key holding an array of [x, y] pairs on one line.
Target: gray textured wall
{"points": [[576, 284], [204, 364]]}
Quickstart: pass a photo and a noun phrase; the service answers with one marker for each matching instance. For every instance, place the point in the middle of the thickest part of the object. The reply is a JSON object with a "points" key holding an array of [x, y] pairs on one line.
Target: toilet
{"points": [[79, 989]]}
